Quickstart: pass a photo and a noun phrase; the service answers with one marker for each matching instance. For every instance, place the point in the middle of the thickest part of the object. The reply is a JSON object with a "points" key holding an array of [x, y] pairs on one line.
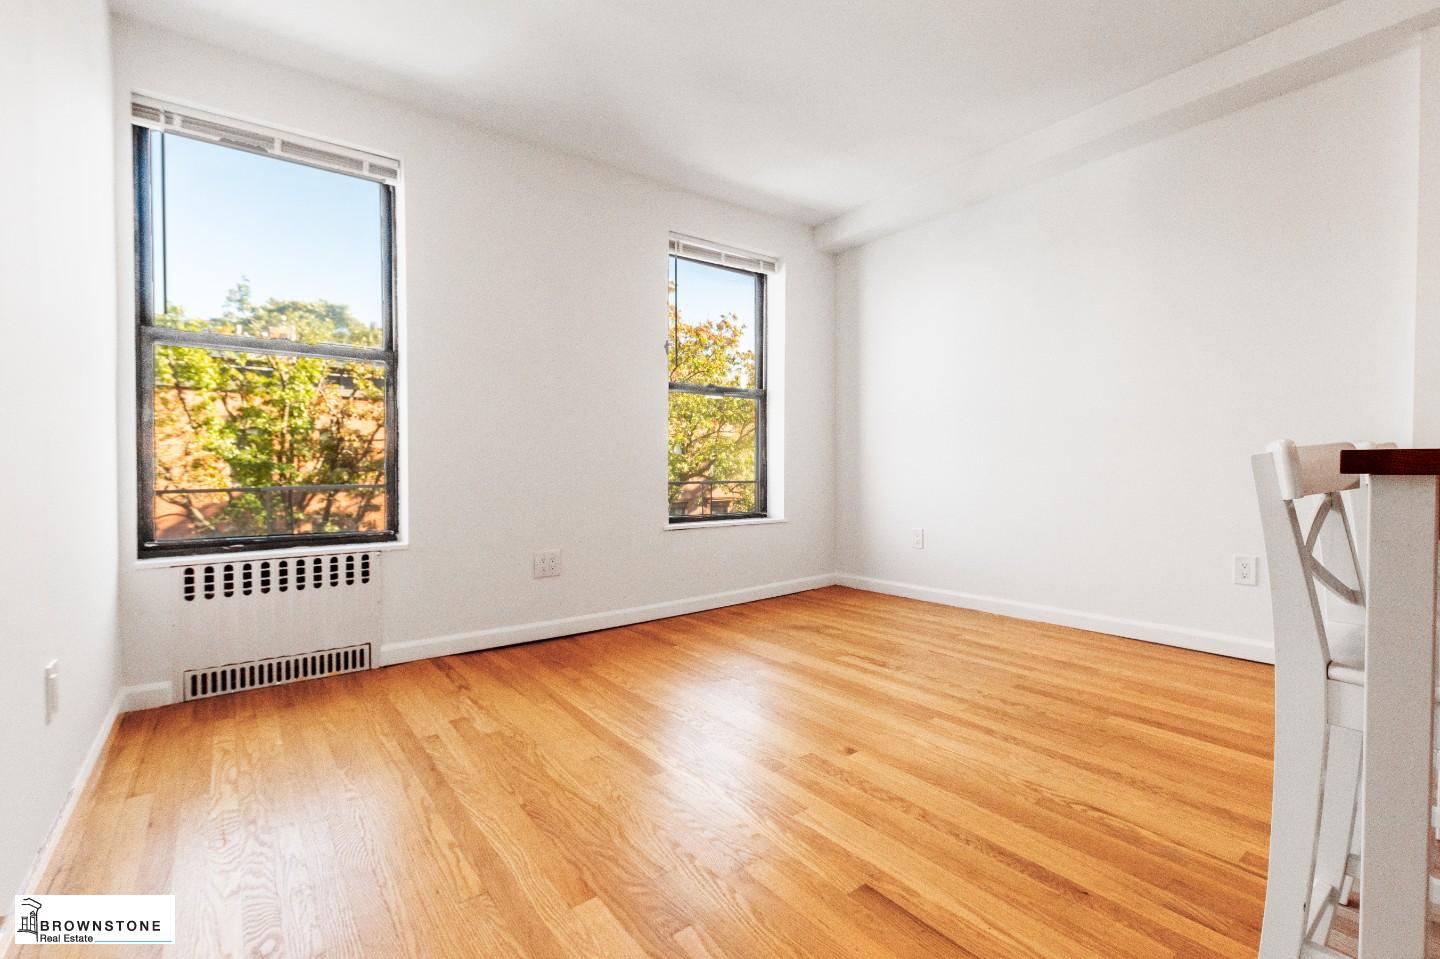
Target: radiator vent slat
{"points": [[235, 677], [229, 580]]}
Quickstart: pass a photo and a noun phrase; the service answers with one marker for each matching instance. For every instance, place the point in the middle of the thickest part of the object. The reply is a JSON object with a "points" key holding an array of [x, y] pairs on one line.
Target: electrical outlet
{"points": [[917, 538], [52, 689], [1247, 570], [546, 563]]}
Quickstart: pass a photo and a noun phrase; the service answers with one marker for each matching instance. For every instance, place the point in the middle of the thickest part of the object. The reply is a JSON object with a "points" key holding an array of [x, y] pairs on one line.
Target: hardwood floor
{"points": [[830, 774]]}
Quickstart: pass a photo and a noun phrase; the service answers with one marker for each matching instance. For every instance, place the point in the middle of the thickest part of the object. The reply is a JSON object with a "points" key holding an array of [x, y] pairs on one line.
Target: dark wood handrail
{"points": [[1411, 462]]}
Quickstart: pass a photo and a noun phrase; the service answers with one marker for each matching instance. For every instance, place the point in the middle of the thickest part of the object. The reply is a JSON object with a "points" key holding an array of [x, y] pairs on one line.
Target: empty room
{"points": [[551, 478]]}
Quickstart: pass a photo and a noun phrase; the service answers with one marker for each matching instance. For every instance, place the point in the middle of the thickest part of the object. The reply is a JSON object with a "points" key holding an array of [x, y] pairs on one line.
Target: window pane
{"points": [[712, 324], [259, 246], [248, 444], [712, 454]]}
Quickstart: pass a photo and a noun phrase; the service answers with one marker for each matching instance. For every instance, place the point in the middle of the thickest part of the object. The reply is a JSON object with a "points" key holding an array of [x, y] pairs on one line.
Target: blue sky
{"points": [[705, 292], [296, 232], [300, 233]]}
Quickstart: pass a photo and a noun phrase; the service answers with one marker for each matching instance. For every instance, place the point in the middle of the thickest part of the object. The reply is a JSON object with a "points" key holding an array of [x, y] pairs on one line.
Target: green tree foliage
{"points": [[711, 437], [242, 439]]}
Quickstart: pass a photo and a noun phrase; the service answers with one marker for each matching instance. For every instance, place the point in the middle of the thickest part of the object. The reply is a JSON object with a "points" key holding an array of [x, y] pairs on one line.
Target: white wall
{"points": [[1063, 385], [57, 377], [535, 407]]}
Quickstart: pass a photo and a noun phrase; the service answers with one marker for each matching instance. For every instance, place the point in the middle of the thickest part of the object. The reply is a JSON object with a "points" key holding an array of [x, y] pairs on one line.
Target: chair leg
{"points": [[1355, 868], [1337, 825], [1301, 736]]}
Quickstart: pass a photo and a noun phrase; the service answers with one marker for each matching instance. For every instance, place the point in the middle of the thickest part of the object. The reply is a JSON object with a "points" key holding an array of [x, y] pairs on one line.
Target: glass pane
{"points": [[253, 445], [260, 246], [712, 324], [713, 468]]}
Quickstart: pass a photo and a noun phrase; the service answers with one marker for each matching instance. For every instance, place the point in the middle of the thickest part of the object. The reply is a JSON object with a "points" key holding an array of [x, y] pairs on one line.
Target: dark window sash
{"points": [[148, 335], [759, 394], [717, 518], [229, 343], [725, 392], [222, 545]]}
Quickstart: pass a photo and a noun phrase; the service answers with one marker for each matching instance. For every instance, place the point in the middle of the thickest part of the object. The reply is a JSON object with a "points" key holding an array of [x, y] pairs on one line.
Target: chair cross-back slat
{"points": [[1300, 473], [1332, 504]]}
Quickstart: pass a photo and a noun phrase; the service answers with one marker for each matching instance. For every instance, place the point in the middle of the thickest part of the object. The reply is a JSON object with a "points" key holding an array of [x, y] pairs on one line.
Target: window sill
{"points": [[255, 555], [711, 524]]}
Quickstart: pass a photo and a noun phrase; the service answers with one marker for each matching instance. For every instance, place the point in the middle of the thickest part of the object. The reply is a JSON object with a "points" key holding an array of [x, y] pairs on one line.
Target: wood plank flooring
{"points": [[830, 774]]}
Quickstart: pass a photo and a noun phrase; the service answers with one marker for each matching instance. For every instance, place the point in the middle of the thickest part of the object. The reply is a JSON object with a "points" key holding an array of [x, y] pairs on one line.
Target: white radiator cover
{"points": [[266, 621]]}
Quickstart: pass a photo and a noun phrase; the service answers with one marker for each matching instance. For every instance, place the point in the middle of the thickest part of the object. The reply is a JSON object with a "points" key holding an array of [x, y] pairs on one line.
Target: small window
{"points": [[266, 348], [716, 350]]}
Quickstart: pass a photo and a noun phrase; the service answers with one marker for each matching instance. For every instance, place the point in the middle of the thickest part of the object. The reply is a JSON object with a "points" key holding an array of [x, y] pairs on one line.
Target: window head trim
{"points": [[153, 114], [718, 254]]}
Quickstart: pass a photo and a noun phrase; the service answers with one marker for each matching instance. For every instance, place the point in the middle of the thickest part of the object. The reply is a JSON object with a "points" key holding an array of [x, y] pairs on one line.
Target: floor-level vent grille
{"points": [[234, 677]]}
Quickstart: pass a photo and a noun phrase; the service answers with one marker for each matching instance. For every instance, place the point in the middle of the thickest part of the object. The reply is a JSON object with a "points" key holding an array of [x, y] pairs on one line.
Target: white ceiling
{"points": [[806, 108]]}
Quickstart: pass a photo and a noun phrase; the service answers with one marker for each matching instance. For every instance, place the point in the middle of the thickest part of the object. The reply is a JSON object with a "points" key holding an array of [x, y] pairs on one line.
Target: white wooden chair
{"points": [[1319, 695]]}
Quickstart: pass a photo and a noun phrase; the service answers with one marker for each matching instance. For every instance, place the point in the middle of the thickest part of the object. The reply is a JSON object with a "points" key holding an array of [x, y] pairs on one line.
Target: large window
{"points": [[265, 345], [717, 384]]}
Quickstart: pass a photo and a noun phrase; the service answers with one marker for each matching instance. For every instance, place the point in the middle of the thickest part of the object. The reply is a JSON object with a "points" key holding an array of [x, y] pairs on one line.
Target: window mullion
{"points": [[700, 389], [153, 335]]}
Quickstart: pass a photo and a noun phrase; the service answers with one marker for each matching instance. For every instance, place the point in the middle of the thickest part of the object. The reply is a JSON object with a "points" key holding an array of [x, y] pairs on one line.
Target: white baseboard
{"points": [[41, 861], [1237, 647], [163, 693], [392, 653], [150, 695], [147, 696]]}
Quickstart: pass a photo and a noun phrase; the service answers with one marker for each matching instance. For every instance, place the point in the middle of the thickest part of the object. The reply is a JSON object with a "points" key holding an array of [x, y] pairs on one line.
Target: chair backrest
{"points": [[1286, 475]]}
